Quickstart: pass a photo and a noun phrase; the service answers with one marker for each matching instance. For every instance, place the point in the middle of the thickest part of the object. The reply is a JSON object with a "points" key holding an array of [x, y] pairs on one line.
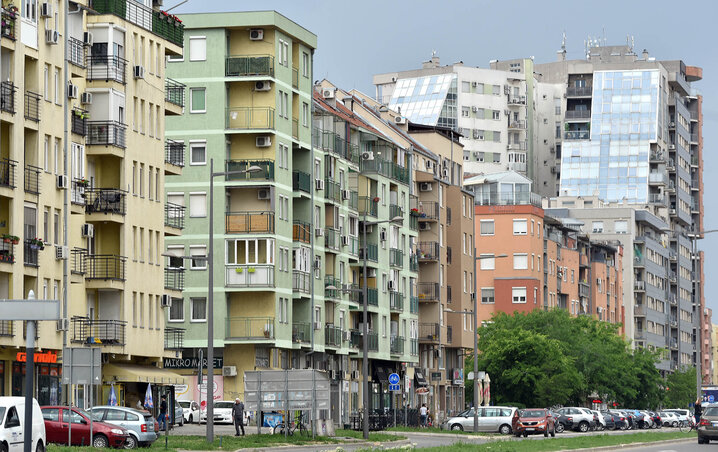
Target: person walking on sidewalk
{"points": [[238, 415], [423, 414], [162, 421], [698, 411]]}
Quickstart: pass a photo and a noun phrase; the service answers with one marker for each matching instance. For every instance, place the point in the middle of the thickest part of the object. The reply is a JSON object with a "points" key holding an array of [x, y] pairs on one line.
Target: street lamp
{"points": [[210, 295]]}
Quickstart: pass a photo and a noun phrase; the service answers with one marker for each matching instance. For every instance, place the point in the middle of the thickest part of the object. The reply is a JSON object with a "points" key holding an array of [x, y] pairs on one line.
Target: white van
{"points": [[12, 418]]}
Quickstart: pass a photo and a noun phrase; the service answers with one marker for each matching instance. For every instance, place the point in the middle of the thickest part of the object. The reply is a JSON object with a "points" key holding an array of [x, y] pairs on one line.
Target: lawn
{"points": [[401, 428]]}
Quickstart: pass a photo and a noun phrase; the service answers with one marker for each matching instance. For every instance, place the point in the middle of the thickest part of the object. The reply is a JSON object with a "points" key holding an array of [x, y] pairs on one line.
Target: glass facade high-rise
{"points": [[614, 162], [429, 100]]}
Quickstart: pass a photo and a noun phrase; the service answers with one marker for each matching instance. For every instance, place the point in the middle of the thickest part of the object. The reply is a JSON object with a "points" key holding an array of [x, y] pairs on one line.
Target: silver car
{"points": [[491, 419], [140, 424]]}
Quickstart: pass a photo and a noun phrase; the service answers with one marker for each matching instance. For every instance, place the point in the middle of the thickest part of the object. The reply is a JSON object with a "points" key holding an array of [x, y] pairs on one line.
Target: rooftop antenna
{"points": [[563, 41], [605, 42]]}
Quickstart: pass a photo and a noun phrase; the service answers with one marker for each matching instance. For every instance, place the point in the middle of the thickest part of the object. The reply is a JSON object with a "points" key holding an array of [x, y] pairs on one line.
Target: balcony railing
{"points": [[32, 106], [414, 351], [396, 301], [105, 200], [31, 253], [89, 331], [352, 246], [77, 261], [332, 238], [7, 172], [295, 78], [174, 215], [106, 67], [248, 118], [301, 332], [7, 97], [429, 332], [295, 128], [579, 91], [143, 16], [174, 278], [395, 211], [301, 232], [428, 291], [517, 100], [396, 346], [249, 65], [174, 92], [578, 114], [367, 206], [301, 281], [266, 170], [371, 251], [413, 263], [32, 179], [105, 266], [77, 52], [332, 190], [243, 328], [396, 257], [353, 200], [414, 305], [78, 121], [427, 210], [517, 125], [249, 222], [167, 28], [332, 336], [249, 275], [174, 152], [174, 338], [7, 252], [508, 199], [301, 181], [106, 133], [577, 135], [428, 251], [372, 296], [8, 24], [6, 329]]}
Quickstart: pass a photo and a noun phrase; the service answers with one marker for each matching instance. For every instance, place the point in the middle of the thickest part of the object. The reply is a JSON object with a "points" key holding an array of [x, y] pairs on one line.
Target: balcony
{"points": [[265, 174], [428, 251], [295, 128], [396, 301], [413, 263], [174, 278], [371, 251], [301, 232], [579, 91], [332, 336], [157, 22], [301, 181], [32, 179], [353, 203], [106, 133], [427, 211], [247, 328], [332, 190], [301, 332], [372, 297], [414, 343], [414, 305], [174, 152], [352, 246], [31, 253], [250, 118], [639, 286], [396, 257], [332, 239], [367, 206], [249, 222], [301, 281], [164, 26], [105, 200], [395, 211], [174, 338], [7, 251], [7, 97], [32, 106], [357, 340], [578, 114], [517, 100], [396, 345], [517, 125], [331, 280], [77, 261], [174, 215], [428, 291], [7, 173], [104, 266], [77, 52], [429, 332], [295, 78], [9, 19], [6, 329], [78, 121], [106, 68], [94, 332], [577, 135], [249, 66], [174, 92], [249, 275]]}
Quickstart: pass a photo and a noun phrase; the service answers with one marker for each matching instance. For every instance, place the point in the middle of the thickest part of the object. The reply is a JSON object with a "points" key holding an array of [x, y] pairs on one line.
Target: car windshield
{"points": [[2, 413], [533, 413], [96, 417], [223, 404], [184, 404], [710, 411]]}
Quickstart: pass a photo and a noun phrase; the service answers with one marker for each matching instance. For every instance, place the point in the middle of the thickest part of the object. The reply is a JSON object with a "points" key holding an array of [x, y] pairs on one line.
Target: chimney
{"points": [[645, 54]]}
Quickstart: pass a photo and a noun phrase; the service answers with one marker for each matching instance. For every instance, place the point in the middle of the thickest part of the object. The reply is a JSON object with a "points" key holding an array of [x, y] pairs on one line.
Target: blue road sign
{"points": [[711, 398], [394, 379], [394, 388]]}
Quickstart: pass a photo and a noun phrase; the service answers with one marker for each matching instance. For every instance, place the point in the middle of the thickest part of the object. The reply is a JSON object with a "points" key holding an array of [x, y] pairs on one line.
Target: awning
{"points": [[134, 373], [381, 375], [420, 380]]}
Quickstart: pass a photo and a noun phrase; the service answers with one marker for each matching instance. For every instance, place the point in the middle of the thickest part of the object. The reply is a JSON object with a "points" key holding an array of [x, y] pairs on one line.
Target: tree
{"points": [[681, 388]]}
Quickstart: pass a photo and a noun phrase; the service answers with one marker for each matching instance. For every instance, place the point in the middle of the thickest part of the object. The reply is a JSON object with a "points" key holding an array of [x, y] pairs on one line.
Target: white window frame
{"points": [[486, 263], [201, 263], [169, 311], [191, 106], [525, 257], [481, 295], [189, 47], [197, 143], [516, 295], [519, 221], [191, 310], [197, 194], [481, 223]]}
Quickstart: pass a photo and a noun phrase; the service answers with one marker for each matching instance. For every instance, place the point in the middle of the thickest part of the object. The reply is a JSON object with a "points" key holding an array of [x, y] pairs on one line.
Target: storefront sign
{"points": [[49, 357], [422, 390], [190, 363], [435, 376]]}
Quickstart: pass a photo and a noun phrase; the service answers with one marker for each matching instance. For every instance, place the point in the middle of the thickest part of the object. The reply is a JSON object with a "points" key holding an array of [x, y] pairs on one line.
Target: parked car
{"points": [[618, 420], [190, 409], [669, 418], [683, 415], [222, 412], [139, 424], [656, 418], [583, 419], [708, 426], [533, 421], [491, 419], [179, 414], [563, 422], [58, 418], [600, 422], [12, 428]]}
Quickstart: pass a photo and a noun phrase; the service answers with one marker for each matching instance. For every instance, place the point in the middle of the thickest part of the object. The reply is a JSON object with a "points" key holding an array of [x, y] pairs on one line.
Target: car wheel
{"points": [[505, 429], [131, 443], [674, 424], [701, 440], [3, 447], [526, 434], [189, 420], [583, 427], [457, 427], [40, 447], [100, 441], [181, 422], [545, 433], [560, 428], [553, 432]]}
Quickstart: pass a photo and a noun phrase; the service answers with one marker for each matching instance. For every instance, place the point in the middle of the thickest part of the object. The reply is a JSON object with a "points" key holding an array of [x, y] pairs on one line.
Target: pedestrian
{"points": [[238, 415], [698, 411], [162, 417], [423, 414], [139, 405]]}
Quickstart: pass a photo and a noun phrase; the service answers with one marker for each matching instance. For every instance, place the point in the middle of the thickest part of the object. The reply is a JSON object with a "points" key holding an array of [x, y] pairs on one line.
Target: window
{"points": [[597, 226], [488, 262], [305, 64], [621, 226], [518, 295], [487, 227], [197, 204], [520, 227], [56, 227], [176, 311], [521, 262], [197, 252], [465, 112], [487, 295], [199, 309], [495, 114], [198, 153], [46, 83], [57, 156], [283, 52], [305, 114], [197, 100], [197, 48]]}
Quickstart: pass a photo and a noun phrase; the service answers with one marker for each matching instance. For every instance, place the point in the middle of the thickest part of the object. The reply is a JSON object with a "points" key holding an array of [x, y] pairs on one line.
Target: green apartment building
{"points": [[288, 256]]}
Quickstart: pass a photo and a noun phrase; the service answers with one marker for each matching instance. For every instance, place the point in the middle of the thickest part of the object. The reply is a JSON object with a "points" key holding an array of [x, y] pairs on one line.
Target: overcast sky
{"points": [[357, 39]]}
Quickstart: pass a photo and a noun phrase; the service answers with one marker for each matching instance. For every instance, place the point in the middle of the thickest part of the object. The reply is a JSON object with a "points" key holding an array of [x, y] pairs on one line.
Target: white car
{"points": [[683, 415], [669, 418], [222, 412], [601, 420], [12, 431], [190, 410]]}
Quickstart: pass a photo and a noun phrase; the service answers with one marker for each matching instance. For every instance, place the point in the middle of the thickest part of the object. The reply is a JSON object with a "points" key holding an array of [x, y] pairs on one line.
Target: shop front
{"points": [[48, 373]]}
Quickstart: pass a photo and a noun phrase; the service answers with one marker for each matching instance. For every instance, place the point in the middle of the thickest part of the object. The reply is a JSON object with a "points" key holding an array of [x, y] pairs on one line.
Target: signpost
{"points": [[395, 387]]}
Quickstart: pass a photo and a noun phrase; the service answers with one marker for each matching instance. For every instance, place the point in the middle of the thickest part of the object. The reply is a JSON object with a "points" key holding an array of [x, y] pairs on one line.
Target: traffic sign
{"points": [[394, 379], [396, 388]]}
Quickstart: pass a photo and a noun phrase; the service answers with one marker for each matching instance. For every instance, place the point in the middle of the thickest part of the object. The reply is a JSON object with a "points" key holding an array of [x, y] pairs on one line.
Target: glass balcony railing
{"points": [[250, 118], [249, 65], [246, 328], [414, 305], [266, 170], [249, 275]]}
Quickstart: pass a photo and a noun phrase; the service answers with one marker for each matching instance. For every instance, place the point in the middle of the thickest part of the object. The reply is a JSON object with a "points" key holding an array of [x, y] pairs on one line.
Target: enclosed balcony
{"points": [[32, 179], [249, 276], [249, 66], [174, 338], [428, 251], [105, 201], [396, 345], [249, 222], [266, 172], [106, 68], [174, 278], [301, 332], [249, 328], [428, 291], [250, 118], [7, 97], [332, 336], [429, 332], [106, 133], [96, 332], [104, 266], [32, 106]]}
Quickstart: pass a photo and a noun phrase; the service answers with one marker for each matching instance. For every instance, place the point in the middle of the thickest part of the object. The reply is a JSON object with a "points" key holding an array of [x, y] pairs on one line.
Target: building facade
{"points": [[82, 206]]}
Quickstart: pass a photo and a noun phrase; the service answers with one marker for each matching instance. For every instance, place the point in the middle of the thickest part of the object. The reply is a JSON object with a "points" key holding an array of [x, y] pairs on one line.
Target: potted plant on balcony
{"points": [[82, 182], [36, 244], [376, 199], [414, 212], [9, 238]]}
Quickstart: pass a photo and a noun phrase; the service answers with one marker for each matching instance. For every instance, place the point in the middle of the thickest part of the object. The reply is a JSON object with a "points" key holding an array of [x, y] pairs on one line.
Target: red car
{"points": [[57, 428], [533, 421]]}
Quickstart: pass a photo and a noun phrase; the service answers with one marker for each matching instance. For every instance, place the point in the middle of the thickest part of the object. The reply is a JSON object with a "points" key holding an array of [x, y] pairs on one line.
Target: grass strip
{"points": [[401, 428]]}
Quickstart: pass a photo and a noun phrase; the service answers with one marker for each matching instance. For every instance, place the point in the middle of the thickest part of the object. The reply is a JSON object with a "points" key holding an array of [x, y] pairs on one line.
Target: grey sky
{"points": [[360, 38]]}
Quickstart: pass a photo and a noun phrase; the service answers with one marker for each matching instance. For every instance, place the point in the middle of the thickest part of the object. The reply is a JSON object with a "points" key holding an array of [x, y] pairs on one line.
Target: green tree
{"points": [[681, 388]]}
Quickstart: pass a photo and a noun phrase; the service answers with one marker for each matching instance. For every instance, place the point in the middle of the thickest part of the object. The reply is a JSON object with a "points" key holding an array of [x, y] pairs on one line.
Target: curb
{"points": [[632, 445], [372, 444], [447, 434]]}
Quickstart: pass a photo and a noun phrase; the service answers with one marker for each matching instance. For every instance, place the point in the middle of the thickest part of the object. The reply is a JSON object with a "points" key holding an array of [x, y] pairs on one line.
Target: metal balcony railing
{"points": [[266, 172], [77, 52], [6, 328], [174, 152], [578, 114], [396, 345], [249, 222], [429, 332], [427, 210], [8, 24], [77, 261], [428, 251], [174, 338], [249, 65], [367, 206], [32, 106], [249, 275], [7, 97], [106, 133], [371, 251], [247, 118], [332, 238], [301, 332], [373, 339], [301, 181], [295, 77], [174, 215], [106, 67], [414, 347], [7, 172], [245, 328], [105, 266], [157, 22], [579, 91], [353, 203], [7, 251], [332, 336], [174, 92], [301, 281], [332, 190], [174, 278], [301, 231], [414, 305], [32, 179], [396, 257], [106, 332], [105, 200], [428, 291], [78, 121], [332, 281], [396, 301], [395, 211], [372, 296]]}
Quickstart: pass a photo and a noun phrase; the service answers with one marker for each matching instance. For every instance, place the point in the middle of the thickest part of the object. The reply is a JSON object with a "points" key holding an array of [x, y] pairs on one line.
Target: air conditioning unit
{"points": [[138, 71], [72, 91], [86, 98], [371, 273], [474, 84], [61, 181], [256, 34], [264, 193], [52, 37], [382, 235], [46, 10], [474, 109], [369, 228], [317, 325], [368, 155], [445, 172], [87, 38], [88, 230], [62, 325], [263, 142], [319, 184], [671, 125], [672, 147], [355, 375], [318, 232], [62, 252], [391, 285], [328, 93], [425, 186], [346, 194], [425, 226], [347, 335], [166, 301], [262, 85], [345, 240], [229, 371], [333, 374], [400, 120]]}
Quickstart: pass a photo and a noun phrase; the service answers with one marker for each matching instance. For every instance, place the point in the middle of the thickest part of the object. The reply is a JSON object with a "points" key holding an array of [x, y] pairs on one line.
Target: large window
{"points": [[487, 294], [176, 311], [197, 204], [488, 262], [198, 102], [518, 295], [521, 262], [250, 251], [487, 227], [197, 48], [520, 227], [199, 309], [620, 226]]}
